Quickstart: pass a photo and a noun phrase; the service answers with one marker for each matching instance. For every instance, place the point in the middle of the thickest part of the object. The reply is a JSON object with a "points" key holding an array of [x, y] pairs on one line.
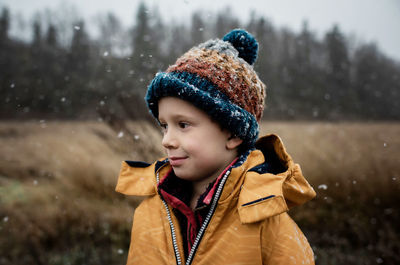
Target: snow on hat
{"points": [[218, 77]]}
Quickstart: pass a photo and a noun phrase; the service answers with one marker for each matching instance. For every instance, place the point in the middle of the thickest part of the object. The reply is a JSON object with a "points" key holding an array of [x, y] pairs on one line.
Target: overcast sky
{"points": [[368, 20]]}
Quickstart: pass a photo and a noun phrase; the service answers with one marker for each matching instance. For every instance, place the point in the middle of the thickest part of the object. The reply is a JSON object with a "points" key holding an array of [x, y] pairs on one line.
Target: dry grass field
{"points": [[58, 205]]}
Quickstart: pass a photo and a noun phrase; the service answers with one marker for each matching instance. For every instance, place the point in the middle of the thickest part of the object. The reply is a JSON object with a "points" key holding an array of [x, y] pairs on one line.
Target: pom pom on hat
{"points": [[244, 43], [217, 76]]}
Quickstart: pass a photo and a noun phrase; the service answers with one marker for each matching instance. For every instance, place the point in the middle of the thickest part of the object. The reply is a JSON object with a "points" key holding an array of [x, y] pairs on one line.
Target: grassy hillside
{"points": [[58, 205]]}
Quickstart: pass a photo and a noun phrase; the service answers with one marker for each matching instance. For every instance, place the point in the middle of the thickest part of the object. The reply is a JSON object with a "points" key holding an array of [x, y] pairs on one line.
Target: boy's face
{"points": [[197, 148]]}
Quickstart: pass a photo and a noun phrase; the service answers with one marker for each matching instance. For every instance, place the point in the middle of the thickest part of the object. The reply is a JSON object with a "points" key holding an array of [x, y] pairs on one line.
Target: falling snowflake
{"points": [[323, 187]]}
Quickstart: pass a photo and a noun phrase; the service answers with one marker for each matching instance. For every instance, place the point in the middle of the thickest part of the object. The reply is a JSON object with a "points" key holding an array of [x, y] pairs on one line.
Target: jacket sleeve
{"points": [[283, 242]]}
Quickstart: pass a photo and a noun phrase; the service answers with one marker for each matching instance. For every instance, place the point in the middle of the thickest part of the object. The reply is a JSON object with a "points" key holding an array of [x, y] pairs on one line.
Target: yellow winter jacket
{"points": [[249, 224]]}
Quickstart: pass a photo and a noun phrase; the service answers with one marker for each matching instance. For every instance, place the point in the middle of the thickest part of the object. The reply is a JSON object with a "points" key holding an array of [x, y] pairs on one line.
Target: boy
{"points": [[220, 196]]}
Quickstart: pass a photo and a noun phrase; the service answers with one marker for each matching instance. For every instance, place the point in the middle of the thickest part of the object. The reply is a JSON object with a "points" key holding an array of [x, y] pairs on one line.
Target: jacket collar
{"points": [[137, 178], [268, 182]]}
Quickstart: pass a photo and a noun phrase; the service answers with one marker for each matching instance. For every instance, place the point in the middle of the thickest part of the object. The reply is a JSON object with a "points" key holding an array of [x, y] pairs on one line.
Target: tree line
{"points": [[307, 78]]}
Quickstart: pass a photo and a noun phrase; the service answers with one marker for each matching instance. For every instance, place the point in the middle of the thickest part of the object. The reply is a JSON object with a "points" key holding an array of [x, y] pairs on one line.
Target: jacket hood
{"points": [[270, 182], [267, 193]]}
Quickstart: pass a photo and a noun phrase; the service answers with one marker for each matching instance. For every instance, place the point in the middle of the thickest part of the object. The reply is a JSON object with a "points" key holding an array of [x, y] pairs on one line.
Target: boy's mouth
{"points": [[176, 160]]}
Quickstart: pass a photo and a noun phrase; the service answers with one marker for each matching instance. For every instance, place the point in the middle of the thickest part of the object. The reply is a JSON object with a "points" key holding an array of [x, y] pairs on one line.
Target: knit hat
{"points": [[217, 77]]}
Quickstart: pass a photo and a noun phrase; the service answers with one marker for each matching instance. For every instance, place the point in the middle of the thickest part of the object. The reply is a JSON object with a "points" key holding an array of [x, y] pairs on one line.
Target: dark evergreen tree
{"points": [[110, 29], [76, 91], [285, 66], [6, 65], [144, 46], [339, 95], [51, 36], [266, 64], [197, 29], [4, 25], [377, 84], [225, 22], [178, 42]]}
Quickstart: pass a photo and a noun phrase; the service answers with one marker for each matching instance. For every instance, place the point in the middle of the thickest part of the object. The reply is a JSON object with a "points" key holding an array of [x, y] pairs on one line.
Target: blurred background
{"points": [[73, 75]]}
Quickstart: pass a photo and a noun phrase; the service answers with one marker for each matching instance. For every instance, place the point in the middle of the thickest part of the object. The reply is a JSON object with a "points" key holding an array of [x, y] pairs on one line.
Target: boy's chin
{"points": [[183, 175]]}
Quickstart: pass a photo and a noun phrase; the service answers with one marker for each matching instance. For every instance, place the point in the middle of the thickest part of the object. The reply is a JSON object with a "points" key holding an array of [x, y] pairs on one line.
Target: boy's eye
{"points": [[183, 125], [163, 126]]}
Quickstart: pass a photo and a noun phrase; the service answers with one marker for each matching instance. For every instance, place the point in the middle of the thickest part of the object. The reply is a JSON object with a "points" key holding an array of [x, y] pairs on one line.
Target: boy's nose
{"points": [[169, 141]]}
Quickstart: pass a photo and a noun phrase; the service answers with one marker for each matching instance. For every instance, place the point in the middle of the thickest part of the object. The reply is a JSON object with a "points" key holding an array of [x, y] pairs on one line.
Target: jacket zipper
{"points": [[207, 219], [202, 228], [171, 225]]}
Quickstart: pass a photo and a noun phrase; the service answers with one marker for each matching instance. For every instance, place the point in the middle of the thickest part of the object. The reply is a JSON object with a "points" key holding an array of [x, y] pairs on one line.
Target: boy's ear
{"points": [[233, 142]]}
